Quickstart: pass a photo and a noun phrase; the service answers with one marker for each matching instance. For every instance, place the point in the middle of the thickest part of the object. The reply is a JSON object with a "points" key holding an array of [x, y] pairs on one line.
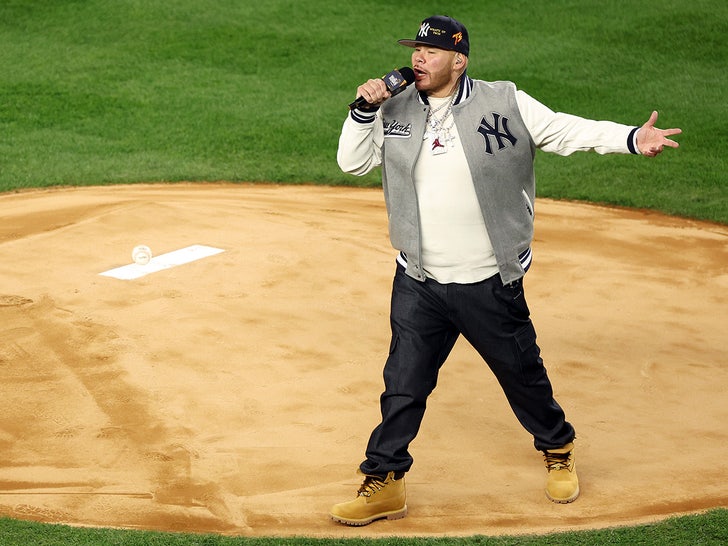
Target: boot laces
{"points": [[371, 485], [557, 461]]}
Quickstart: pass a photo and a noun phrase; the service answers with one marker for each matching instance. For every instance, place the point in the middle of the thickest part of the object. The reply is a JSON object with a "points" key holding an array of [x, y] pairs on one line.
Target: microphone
{"points": [[395, 81]]}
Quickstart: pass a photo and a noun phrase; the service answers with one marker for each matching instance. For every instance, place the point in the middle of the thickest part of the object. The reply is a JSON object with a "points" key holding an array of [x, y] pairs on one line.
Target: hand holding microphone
{"points": [[376, 91]]}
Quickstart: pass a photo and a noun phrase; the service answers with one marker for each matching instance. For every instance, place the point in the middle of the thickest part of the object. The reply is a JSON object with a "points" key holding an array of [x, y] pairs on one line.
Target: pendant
{"points": [[437, 144]]}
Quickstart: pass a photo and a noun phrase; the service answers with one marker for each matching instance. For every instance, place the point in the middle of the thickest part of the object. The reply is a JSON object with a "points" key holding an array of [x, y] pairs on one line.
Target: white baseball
{"points": [[141, 254]]}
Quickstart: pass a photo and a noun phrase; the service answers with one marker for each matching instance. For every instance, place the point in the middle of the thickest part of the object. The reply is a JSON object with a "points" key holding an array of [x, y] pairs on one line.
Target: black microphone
{"points": [[395, 81]]}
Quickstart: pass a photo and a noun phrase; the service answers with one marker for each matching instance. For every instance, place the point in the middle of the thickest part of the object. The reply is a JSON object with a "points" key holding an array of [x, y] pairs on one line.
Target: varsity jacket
{"points": [[500, 128]]}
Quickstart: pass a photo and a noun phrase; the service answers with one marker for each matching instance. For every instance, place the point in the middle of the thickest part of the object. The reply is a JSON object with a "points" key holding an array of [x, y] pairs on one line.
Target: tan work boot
{"points": [[376, 499], [562, 485]]}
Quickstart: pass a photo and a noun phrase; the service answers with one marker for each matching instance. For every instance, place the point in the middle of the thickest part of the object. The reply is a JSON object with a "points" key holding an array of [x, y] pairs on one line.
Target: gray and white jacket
{"points": [[500, 128]]}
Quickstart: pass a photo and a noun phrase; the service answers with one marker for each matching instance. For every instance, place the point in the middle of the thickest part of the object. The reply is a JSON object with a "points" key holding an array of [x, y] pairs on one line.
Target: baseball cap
{"points": [[443, 32]]}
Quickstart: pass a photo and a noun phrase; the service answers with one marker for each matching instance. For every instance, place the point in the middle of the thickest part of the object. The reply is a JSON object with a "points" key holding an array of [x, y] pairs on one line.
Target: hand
{"points": [[375, 92], [651, 140]]}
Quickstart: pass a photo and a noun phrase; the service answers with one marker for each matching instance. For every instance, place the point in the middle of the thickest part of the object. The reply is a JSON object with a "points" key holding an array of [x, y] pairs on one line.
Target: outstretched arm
{"points": [[651, 140]]}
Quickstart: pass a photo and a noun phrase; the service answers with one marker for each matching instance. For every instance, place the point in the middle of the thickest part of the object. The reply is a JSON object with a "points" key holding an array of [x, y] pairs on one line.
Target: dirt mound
{"points": [[235, 393]]}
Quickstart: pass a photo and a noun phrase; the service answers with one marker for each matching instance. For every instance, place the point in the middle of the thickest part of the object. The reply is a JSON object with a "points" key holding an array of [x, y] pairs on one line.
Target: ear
{"points": [[460, 62]]}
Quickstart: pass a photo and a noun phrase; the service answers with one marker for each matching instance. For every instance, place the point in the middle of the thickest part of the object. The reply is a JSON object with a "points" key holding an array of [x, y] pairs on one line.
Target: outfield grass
{"points": [[112, 91], [106, 91]]}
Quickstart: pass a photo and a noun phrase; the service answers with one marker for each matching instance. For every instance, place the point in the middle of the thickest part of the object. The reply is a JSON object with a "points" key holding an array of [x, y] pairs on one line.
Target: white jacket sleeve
{"points": [[565, 134], [360, 143]]}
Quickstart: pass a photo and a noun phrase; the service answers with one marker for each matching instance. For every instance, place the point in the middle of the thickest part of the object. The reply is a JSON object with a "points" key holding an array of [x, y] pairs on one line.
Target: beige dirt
{"points": [[235, 394]]}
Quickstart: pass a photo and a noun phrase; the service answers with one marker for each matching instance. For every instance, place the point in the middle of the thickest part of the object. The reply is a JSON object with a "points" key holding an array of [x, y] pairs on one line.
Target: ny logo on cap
{"points": [[424, 29]]}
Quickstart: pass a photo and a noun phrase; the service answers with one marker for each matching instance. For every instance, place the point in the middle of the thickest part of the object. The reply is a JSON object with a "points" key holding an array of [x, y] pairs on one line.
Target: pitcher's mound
{"points": [[235, 393]]}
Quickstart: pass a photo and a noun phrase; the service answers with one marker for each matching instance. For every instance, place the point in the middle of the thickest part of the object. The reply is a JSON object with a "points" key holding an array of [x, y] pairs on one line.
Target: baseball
{"points": [[141, 254]]}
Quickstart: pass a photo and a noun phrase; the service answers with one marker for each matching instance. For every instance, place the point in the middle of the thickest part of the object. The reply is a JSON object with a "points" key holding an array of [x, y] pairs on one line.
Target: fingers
{"points": [[650, 124], [651, 141], [652, 151], [671, 132], [656, 149], [661, 136], [653, 119], [373, 91]]}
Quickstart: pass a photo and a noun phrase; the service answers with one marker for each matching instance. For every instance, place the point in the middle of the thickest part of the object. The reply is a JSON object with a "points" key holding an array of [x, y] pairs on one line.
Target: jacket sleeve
{"points": [[360, 142], [565, 134]]}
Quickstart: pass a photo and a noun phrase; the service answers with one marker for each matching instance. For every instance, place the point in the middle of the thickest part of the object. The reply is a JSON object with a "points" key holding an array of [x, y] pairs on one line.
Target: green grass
{"points": [[107, 91], [706, 529], [112, 91]]}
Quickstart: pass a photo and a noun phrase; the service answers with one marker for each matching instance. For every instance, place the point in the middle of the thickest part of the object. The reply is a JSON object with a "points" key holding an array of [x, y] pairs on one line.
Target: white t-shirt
{"points": [[455, 242]]}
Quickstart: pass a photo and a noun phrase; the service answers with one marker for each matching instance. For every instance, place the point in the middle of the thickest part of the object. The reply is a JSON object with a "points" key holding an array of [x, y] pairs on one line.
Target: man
{"points": [[457, 171]]}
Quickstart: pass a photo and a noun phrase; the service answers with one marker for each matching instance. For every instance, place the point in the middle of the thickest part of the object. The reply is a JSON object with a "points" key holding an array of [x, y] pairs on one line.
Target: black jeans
{"points": [[426, 319]]}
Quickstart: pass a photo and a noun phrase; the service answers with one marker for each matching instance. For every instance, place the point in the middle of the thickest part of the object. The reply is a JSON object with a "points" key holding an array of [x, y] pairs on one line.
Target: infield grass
{"points": [[707, 529], [112, 91]]}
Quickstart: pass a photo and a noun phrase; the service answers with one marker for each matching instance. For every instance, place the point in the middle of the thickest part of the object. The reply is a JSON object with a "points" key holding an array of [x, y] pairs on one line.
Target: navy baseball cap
{"points": [[442, 32]]}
